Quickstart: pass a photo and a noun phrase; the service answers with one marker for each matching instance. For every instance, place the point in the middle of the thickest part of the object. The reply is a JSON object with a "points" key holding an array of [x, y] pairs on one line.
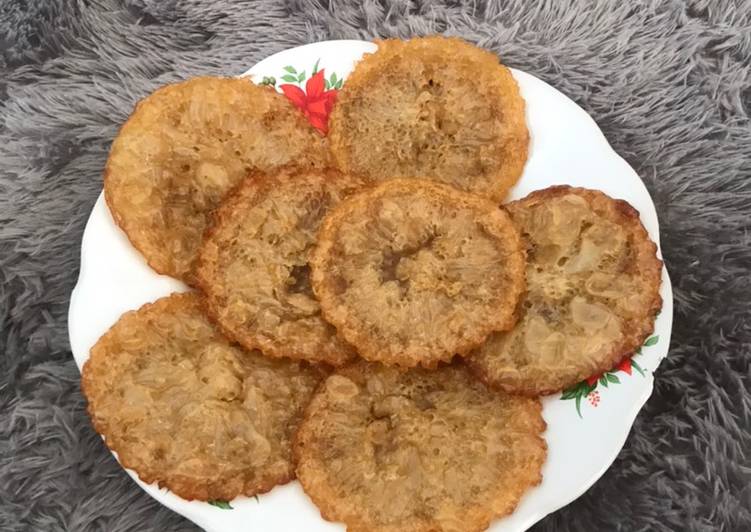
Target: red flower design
{"points": [[315, 102], [624, 366]]}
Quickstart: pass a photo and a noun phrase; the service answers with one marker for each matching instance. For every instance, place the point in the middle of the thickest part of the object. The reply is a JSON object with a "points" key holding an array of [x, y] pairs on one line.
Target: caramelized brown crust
{"points": [[418, 451], [432, 107], [183, 407], [412, 271], [253, 264], [184, 147], [593, 281]]}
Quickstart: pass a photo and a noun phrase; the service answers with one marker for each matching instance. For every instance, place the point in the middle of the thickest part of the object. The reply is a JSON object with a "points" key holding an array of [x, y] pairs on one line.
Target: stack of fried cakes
{"points": [[366, 314]]}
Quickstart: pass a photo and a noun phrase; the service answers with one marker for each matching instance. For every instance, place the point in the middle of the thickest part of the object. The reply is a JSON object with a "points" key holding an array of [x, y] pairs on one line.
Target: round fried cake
{"points": [[412, 271], [183, 407], [254, 269], [432, 107], [593, 281], [183, 148], [385, 450]]}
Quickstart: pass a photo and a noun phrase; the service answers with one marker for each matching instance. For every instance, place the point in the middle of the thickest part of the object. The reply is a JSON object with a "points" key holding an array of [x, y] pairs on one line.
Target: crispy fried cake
{"points": [[183, 407], [593, 281], [432, 107], [412, 271], [254, 264], [184, 147], [385, 450]]}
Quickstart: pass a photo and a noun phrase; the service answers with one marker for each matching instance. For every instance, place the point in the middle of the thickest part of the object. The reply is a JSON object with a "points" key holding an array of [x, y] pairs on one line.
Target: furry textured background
{"points": [[667, 81]]}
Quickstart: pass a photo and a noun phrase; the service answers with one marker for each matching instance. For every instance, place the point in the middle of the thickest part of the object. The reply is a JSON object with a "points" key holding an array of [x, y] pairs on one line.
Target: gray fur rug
{"points": [[668, 82]]}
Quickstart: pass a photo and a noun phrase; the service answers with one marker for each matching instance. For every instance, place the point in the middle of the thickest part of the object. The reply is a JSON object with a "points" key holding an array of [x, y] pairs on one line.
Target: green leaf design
{"points": [[224, 505], [577, 389], [570, 393], [268, 80], [339, 84], [291, 79], [637, 367], [613, 378], [315, 67], [651, 341], [577, 392], [327, 84], [604, 381], [290, 69], [333, 79], [301, 77]]}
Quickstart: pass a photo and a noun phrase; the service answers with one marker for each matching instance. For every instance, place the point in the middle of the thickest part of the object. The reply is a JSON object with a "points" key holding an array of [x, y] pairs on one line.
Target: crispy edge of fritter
{"points": [[352, 329], [622, 213]]}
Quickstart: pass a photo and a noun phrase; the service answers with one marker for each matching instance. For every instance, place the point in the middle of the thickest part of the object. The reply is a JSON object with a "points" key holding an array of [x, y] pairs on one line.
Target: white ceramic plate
{"points": [[587, 426]]}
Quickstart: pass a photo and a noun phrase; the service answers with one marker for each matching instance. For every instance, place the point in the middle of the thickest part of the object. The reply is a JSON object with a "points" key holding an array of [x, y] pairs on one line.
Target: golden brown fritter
{"points": [[412, 271], [183, 407], [418, 451], [184, 147], [254, 269], [436, 108], [593, 281]]}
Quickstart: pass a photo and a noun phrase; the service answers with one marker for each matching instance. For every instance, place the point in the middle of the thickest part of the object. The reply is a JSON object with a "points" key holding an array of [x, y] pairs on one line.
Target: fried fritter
{"points": [[183, 407], [184, 147], [593, 281], [412, 271], [254, 269], [385, 450], [435, 108]]}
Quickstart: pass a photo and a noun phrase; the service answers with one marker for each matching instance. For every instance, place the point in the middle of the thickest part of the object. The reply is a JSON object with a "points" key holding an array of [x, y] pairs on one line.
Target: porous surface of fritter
{"points": [[412, 272], [385, 450], [593, 281], [184, 147], [432, 107], [254, 268], [183, 407]]}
